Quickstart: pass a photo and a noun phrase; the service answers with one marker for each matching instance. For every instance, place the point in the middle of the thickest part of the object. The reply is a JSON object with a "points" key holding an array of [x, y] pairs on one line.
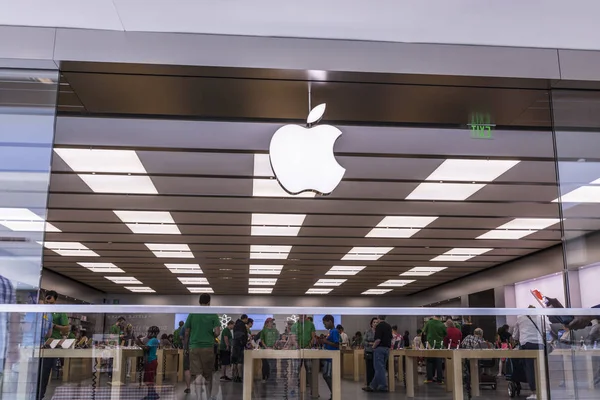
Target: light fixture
{"points": [[530, 223], [377, 291], [200, 289], [396, 282], [140, 289], [164, 229], [262, 166], [145, 217], [318, 291], [344, 270], [262, 281], [400, 226], [584, 194], [101, 267], [184, 268], [460, 254], [260, 290], [129, 184], [123, 280], [170, 250], [70, 249], [271, 188], [29, 226], [330, 282], [265, 269], [99, 160], [422, 271], [276, 224], [505, 234], [269, 252], [367, 253], [193, 281], [444, 191], [471, 170]]}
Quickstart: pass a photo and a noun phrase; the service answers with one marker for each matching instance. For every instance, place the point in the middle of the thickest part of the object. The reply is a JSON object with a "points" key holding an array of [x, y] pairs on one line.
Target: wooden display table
{"points": [[303, 354], [569, 367], [170, 365], [412, 364]]}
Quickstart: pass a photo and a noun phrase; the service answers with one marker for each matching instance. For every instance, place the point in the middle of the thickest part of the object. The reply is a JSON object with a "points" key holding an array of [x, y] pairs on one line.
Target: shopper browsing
{"points": [[344, 340], [381, 352], [151, 365], [225, 350], [240, 340], [177, 335], [368, 340], [268, 338], [435, 331], [331, 342]]}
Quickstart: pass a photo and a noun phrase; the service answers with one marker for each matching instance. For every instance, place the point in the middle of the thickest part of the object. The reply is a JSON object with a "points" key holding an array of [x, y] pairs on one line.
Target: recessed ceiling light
{"points": [[275, 230], [318, 291], [278, 219], [399, 233], [529, 223], [396, 282], [262, 281], [271, 188], [29, 226], [165, 229], [193, 281], [460, 254], [98, 160], [140, 289], [76, 253], [200, 290], [173, 254], [123, 280], [18, 214], [444, 191], [471, 170], [70, 249], [344, 270], [422, 271], [377, 291], [101, 267], [265, 269], [269, 252], [131, 184], [405, 222], [145, 217], [330, 282], [367, 253], [584, 194], [260, 290], [167, 247], [505, 234], [184, 268]]}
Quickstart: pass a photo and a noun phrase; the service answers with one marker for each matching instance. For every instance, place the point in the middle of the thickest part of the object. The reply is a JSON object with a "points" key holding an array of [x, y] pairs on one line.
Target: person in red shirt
{"points": [[453, 335]]}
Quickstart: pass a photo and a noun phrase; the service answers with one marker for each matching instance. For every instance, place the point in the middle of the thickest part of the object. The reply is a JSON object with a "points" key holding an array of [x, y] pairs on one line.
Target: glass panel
{"points": [[27, 115]]}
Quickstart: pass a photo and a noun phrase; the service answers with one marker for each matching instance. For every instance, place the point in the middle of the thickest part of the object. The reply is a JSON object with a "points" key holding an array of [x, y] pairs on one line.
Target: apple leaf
{"points": [[316, 114]]}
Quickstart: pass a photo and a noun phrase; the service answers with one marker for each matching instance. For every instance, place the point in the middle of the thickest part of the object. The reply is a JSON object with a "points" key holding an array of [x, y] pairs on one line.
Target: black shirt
{"points": [[383, 332], [240, 334]]}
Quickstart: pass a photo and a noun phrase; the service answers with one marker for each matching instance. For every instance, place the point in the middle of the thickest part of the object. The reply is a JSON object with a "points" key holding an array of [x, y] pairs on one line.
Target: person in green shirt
{"points": [[434, 331], [200, 333], [304, 335], [177, 335], [225, 350], [268, 337]]}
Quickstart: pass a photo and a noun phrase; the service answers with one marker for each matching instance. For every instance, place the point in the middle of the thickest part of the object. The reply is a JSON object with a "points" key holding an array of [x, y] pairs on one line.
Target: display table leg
{"points": [[540, 371], [357, 361], [66, 369], [391, 374], [160, 359], [248, 375], [410, 376], [474, 366], [314, 377], [336, 378], [457, 388]]}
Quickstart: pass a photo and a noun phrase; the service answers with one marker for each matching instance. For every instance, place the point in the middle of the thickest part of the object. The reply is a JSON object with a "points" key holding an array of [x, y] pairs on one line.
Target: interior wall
{"points": [[71, 288], [551, 286]]}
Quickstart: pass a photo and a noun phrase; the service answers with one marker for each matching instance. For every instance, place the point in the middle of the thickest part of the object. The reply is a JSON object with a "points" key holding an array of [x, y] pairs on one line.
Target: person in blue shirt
{"points": [[151, 366], [331, 342]]}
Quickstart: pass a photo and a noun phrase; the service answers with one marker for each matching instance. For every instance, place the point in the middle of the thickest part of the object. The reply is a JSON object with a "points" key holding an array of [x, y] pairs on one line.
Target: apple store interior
{"points": [[359, 235]]}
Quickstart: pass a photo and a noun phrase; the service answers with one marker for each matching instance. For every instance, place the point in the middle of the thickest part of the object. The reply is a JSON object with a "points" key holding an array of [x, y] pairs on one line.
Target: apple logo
{"points": [[302, 158]]}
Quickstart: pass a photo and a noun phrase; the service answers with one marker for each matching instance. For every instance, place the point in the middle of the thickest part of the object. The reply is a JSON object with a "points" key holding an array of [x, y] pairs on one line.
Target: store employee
{"points": [[60, 321]]}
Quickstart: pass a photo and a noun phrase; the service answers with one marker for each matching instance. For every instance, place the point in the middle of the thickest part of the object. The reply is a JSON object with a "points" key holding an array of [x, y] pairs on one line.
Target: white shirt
{"points": [[344, 339], [526, 332]]}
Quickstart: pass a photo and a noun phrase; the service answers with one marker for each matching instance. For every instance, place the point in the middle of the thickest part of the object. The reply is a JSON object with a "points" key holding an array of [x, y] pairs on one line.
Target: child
{"points": [[151, 363]]}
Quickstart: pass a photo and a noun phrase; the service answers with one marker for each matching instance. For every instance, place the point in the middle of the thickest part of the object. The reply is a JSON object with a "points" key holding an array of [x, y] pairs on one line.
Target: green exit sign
{"points": [[481, 126]]}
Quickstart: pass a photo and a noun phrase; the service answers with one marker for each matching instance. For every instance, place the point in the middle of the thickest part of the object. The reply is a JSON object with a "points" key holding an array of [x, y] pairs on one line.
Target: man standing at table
{"points": [[331, 342], [435, 331], [304, 336], [381, 353]]}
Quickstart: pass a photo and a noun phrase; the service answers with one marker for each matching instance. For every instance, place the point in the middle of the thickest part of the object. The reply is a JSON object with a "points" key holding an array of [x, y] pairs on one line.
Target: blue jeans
{"points": [[380, 357]]}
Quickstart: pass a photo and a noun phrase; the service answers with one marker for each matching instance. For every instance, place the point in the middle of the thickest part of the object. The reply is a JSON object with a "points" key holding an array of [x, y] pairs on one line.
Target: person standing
{"points": [[268, 337], [10, 331], [240, 340], [453, 336], [331, 342], [186, 362], [528, 332], [381, 353], [435, 331], [304, 335], [177, 335], [368, 340], [200, 331], [116, 334], [225, 350], [151, 364], [344, 340]]}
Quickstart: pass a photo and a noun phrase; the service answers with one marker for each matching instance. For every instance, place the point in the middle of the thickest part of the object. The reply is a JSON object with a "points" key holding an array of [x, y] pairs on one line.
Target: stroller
{"points": [[515, 375]]}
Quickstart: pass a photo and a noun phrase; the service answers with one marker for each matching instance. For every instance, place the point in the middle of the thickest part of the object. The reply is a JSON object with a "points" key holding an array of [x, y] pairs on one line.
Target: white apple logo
{"points": [[302, 158]]}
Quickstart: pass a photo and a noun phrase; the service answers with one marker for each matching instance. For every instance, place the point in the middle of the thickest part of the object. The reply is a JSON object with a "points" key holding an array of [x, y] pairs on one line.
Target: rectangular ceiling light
{"points": [[167, 247], [277, 224], [123, 280], [127, 184], [444, 191], [318, 291], [405, 222], [265, 269], [260, 290], [18, 214], [70, 249], [343, 270], [200, 290], [184, 268], [193, 281], [140, 289], [262, 281], [173, 254], [275, 230], [530, 223], [422, 271], [145, 217], [262, 166], [272, 188], [505, 234], [330, 282], [367, 253], [102, 267], [29, 226], [164, 229], [98, 160], [460, 254], [377, 291], [269, 252], [471, 170], [584, 194], [396, 282]]}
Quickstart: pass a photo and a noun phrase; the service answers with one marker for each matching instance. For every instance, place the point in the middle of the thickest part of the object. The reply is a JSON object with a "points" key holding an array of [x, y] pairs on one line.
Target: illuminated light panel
{"points": [[18, 214], [145, 217], [444, 191], [262, 281], [276, 224], [140, 289], [460, 254], [584, 194], [193, 281], [132, 184], [265, 269], [396, 282], [76, 253], [200, 290], [102, 267], [330, 282], [165, 229], [29, 226], [318, 291], [367, 253], [98, 160], [530, 223], [505, 234], [377, 291], [269, 252], [70, 249], [422, 271], [123, 280], [344, 270], [167, 247], [275, 230], [262, 166], [173, 254], [471, 170], [271, 188], [260, 290], [184, 268]]}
